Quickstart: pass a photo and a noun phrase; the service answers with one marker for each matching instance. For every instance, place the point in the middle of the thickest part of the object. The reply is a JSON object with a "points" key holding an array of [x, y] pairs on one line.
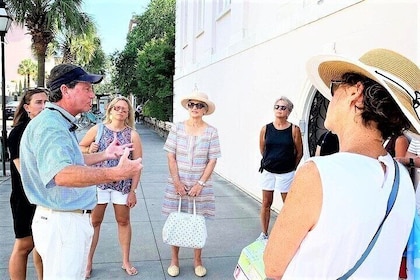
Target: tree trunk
{"points": [[41, 70], [68, 57], [29, 80]]}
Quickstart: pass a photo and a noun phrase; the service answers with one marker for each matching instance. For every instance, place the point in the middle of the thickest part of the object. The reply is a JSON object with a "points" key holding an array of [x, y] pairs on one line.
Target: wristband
{"points": [[201, 183]]}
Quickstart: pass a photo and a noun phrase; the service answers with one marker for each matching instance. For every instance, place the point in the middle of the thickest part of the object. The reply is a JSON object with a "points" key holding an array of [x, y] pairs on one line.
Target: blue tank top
{"points": [[279, 152]]}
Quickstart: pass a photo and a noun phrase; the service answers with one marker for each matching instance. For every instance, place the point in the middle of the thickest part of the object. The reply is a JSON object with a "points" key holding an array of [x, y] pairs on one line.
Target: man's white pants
{"points": [[63, 241]]}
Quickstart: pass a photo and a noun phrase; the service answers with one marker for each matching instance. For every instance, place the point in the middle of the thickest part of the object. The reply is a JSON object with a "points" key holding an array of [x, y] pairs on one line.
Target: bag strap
{"points": [[391, 201], [99, 132], [325, 137], [179, 205]]}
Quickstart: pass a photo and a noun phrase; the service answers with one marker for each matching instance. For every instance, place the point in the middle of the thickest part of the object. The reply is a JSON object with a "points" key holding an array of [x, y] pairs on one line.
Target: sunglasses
{"points": [[334, 85], [197, 105], [119, 108], [280, 107]]}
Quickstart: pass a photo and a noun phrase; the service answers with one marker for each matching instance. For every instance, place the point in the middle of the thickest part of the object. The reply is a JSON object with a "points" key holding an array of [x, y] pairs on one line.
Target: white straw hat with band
{"points": [[199, 96], [396, 73]]}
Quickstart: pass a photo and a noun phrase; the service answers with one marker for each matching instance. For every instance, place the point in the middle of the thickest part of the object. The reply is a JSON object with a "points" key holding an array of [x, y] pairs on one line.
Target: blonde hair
{"points": [[129, 121]]}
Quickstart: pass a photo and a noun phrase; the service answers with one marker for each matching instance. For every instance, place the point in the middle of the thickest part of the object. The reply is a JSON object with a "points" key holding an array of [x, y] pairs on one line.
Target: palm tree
{"points": [[43, 19], [79, 48], [27, 68]]}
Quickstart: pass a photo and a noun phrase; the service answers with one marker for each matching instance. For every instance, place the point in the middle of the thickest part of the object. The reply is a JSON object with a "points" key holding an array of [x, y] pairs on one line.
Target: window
{"points": [[223, 6], [184, 23], [199, 24]]}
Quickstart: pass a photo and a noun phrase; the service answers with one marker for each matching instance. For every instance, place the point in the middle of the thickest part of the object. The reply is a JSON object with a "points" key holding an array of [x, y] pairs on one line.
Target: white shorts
{"points": [[111, 196], [63, 241], [278, 182]]}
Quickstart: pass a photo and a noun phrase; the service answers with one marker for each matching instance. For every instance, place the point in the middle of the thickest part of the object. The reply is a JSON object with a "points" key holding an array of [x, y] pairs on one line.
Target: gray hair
{"points": [[287, 100]]}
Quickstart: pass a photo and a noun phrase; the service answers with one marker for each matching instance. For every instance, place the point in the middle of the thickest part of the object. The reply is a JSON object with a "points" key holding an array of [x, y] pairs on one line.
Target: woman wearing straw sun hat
{"points": [[193, 148], [337, 202]]}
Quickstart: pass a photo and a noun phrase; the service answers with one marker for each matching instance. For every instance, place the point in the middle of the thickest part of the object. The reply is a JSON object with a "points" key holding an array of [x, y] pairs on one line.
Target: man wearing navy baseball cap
{"points": [[60, 180], [66, 73]]}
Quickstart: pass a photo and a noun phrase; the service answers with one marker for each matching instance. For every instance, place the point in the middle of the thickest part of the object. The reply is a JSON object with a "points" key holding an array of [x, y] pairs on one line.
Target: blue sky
{"points": [[112, 18]]}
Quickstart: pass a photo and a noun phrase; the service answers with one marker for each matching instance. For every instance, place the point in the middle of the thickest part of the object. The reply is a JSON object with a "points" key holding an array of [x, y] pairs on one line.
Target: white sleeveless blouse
{"points": [[355, 195]]}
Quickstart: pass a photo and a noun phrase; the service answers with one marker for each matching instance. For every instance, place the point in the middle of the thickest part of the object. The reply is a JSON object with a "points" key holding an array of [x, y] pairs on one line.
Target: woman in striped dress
{"points": [[193, 148]]}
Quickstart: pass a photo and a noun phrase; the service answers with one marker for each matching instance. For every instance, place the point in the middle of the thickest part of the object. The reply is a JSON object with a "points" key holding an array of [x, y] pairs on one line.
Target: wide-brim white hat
{"points": [[396, 73], [199, 96]]}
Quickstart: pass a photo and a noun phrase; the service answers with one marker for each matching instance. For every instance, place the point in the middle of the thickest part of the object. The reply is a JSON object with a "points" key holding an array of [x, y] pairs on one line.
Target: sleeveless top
{"points": [[355, 191], [13, 143], [328, 143], [124, 137], [192, 156], [279, 151], [390, 146]]}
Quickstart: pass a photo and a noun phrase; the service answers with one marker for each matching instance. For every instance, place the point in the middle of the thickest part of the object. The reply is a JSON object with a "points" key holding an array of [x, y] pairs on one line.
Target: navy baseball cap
{"points": [[76, 74]]}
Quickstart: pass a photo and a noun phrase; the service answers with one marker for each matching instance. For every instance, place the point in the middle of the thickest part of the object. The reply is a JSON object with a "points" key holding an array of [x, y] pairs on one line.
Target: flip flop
{"points": [[130, 271]]}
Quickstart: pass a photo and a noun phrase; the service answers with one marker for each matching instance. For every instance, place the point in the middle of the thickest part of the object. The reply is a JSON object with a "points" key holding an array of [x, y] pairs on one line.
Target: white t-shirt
{"points": [[355, 195]]}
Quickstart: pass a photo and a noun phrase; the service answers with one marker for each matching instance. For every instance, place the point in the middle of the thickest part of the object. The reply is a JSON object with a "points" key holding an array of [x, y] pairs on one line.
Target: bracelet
{"points": [[201, 183], [411, 163]]}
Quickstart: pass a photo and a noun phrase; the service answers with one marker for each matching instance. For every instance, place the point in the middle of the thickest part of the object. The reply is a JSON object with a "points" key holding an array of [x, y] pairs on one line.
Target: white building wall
{"points": [[249, 53]]}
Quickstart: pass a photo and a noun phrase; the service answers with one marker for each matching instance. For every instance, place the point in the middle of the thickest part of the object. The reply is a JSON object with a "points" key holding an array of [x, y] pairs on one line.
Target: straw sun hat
{"points": [[199, 96], [396, 73]]}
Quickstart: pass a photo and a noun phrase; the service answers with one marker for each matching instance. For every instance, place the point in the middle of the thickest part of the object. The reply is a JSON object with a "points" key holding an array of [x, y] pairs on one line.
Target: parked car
{"points": [[11, 109]]}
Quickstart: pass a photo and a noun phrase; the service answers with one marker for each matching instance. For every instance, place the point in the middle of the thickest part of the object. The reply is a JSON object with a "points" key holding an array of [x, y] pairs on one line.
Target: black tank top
{"points": [[279, 152], [390, 146]]}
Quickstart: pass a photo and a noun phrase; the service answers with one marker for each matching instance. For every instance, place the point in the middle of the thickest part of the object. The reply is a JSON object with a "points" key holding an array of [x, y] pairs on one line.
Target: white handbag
{"points": [[185, 230]]}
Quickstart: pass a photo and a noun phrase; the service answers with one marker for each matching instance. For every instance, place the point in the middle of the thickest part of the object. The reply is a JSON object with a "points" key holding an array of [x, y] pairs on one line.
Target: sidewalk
{"points": [[236, 224]]}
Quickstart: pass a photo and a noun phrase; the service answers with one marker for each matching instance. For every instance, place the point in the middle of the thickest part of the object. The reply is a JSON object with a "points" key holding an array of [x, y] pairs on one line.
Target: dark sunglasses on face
{"points": [[280, 107], [119, 108], [197, 105], [334, 85]]}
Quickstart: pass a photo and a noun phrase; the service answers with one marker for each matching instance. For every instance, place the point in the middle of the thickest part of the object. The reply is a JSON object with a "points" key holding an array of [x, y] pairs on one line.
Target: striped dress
{"points": [[192, 155]]}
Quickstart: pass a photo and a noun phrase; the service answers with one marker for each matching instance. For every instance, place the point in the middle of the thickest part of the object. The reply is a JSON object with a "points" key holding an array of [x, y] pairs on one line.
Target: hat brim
{"points": [[324, 68], [90, 78], [77, 74], [210, 105]]}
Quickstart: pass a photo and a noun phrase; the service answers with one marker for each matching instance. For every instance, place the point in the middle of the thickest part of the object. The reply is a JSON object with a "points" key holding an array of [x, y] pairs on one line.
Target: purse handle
{"points": [[179, 205], [391, 201]]}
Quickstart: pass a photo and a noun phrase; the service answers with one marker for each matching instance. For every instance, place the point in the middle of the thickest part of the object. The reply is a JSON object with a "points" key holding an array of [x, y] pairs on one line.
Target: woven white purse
{"points": [[185, 230]]}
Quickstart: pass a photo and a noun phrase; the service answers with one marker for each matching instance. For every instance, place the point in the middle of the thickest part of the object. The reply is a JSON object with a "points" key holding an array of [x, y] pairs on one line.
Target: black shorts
{"points": [[23, 213]]}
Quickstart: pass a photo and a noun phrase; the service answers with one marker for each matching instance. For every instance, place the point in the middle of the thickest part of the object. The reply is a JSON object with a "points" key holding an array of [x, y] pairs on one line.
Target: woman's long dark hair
{"points": [[21, 115]]}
